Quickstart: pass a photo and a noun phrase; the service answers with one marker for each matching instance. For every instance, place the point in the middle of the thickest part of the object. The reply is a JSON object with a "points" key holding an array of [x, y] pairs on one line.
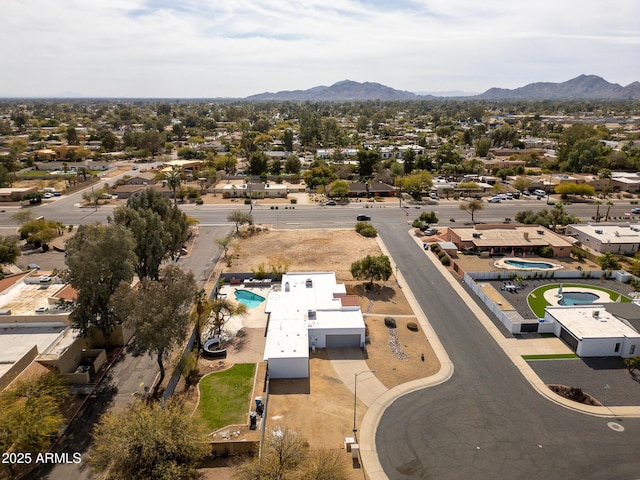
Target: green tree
{"points": [[287, 139], [372, 268], [339, 188], [163, 442], [224, 243], [258, 163], [240, 218], [483, 145], [471, 207], [174, 180], [429, 217], [40, 232], [367, 161], [72, 136], [522, 184], [30, 415], [98, 259], [201, 311], [292, 164], [416, 183], [565, 189], [159, 229], [222, 309], [9, 250], [158, 311], [319, 174], [545, 218], [608, 261]]}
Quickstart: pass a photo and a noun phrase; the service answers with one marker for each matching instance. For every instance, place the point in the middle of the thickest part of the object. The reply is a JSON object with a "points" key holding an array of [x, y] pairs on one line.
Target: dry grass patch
{"points": [[302, 251]]}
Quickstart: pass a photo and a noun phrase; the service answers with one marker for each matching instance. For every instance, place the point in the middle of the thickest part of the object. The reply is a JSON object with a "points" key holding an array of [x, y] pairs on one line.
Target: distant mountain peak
{"points": [[581, 87], [344, 90]]}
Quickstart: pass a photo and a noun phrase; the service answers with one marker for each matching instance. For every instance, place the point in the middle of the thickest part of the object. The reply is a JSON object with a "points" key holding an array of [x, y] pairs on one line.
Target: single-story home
{"points": [[310, 311], [508, 238], [593, 331], [622, 238]]}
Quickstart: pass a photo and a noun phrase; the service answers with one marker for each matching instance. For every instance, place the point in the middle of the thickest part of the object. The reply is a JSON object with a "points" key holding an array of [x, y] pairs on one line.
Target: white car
{"points": [[48, 195], [493, 199]]}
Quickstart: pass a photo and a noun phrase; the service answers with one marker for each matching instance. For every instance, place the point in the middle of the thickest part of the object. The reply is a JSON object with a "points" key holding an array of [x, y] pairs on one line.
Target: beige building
{"points": [[508, 239]]}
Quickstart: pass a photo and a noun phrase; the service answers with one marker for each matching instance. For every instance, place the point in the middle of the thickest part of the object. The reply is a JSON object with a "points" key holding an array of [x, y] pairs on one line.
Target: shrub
{"points": [[434, 247], [546, 252], [293, 200], [370, 232], [390, 322], [199, 201], [413, 326], [445, 261], [247, 201]]}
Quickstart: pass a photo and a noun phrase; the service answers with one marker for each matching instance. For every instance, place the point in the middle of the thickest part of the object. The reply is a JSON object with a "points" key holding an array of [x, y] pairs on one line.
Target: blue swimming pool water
{"points": [[577, 298], [248, 299], [523, 264]]}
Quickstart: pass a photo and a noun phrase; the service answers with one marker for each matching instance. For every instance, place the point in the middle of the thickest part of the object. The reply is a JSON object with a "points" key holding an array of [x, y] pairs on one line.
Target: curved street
{"points": [[487, 421]]}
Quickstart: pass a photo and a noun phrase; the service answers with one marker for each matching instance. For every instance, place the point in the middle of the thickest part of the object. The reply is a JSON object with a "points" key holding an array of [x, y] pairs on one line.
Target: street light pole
{"points": [[355, 397]]}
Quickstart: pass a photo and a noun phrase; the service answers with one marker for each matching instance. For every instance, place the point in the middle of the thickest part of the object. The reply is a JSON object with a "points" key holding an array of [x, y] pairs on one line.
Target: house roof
{"points": [[583, 322], [513, 236]]}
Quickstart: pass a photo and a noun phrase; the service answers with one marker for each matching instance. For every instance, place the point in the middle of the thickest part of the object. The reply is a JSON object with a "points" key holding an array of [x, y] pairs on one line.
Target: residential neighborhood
{"points": [[289, 244]]}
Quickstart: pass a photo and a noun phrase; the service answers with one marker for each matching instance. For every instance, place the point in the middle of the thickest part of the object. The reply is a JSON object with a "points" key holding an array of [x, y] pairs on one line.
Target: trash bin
{"points": [[252, 420], [260, 409]]}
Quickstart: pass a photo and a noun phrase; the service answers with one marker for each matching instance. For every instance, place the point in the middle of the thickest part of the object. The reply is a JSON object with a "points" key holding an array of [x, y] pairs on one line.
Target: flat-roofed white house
{"points": [[623, 238], [310, 310], [592, 331]]}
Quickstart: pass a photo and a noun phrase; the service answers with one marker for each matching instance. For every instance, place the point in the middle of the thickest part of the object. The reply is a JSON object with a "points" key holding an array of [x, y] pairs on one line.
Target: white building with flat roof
{"points": [[623, 238], [310, 311], [592, 331]]}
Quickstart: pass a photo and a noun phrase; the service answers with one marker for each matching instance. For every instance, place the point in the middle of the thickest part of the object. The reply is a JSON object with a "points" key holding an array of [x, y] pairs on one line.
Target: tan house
{"points": [[509, 239]]}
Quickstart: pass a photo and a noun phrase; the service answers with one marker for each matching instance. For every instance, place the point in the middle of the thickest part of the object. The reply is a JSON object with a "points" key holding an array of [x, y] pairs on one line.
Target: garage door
{"points": [[343, 340], [569, 338]]}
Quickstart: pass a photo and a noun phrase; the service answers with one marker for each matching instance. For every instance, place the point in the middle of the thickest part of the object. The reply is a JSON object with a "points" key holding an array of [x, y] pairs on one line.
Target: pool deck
{"points": [[255, 317], [553, 297], [502, 264]]}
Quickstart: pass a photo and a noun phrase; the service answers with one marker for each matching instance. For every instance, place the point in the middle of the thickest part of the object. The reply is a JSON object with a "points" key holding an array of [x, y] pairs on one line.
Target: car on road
{"points": [[331, 203], [493, 199], [635, 211], [363, 218]]}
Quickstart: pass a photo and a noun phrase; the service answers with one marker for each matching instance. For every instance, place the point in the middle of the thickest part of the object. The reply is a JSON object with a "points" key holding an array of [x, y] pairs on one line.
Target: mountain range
{"points": [[582, 87]]}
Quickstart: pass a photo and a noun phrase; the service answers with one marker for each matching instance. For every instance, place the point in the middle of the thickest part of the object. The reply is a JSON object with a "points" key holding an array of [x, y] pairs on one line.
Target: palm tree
{"points": [[598, 203], [558, 211], [609, 205], [222, 309], [203, 308], [174, 179]]}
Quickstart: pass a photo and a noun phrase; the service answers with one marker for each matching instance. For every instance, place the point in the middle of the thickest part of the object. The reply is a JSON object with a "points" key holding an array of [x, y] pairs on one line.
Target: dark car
{"points": [[363, 218], [635, 211]]}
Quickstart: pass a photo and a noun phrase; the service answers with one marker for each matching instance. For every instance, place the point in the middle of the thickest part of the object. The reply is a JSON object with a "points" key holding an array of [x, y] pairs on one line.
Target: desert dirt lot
{"points": [[321, 407]]}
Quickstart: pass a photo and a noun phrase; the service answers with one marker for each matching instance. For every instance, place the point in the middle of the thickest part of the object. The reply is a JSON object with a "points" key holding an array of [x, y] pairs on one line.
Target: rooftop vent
{"points": [[596, 313], [309, 283], [476, 235], [599, 231]]}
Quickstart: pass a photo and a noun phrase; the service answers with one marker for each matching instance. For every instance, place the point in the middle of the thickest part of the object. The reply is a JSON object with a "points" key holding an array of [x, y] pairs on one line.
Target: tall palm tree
{"points": [[598, 203], [558, 211], [174, 180], [609, 205]]}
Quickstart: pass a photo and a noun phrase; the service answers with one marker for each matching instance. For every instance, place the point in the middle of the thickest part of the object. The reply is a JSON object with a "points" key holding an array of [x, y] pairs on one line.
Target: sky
{"points": [[237, 48]]}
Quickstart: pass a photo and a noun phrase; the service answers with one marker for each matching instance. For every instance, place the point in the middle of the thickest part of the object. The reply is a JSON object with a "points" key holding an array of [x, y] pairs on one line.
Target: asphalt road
{"points": [[487, 422]]}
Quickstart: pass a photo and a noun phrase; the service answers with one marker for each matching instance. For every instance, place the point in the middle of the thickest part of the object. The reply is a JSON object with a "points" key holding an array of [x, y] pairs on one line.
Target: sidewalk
{"points": [[512, 347]]}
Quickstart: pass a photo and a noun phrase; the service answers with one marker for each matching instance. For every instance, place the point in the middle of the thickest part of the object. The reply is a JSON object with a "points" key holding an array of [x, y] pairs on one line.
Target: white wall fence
{"points": [[541, 275], [495, 309]]}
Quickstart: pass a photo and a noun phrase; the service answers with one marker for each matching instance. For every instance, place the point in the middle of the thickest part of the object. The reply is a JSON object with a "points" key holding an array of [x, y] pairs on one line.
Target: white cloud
{"points": [[207, 48]]}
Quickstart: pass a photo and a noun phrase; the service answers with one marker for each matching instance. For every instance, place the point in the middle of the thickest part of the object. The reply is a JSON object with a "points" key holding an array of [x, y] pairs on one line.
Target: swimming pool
{"points": [[248, 299], [526, 264], [577, 298]]}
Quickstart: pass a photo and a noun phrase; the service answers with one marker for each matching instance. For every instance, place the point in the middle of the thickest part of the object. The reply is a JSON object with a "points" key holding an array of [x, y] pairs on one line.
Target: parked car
{"points": [[540, 193], [493, 199], [635, 211], [331, 203], [48, 195], [430, 231], [42, 309], [363, 218]]}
